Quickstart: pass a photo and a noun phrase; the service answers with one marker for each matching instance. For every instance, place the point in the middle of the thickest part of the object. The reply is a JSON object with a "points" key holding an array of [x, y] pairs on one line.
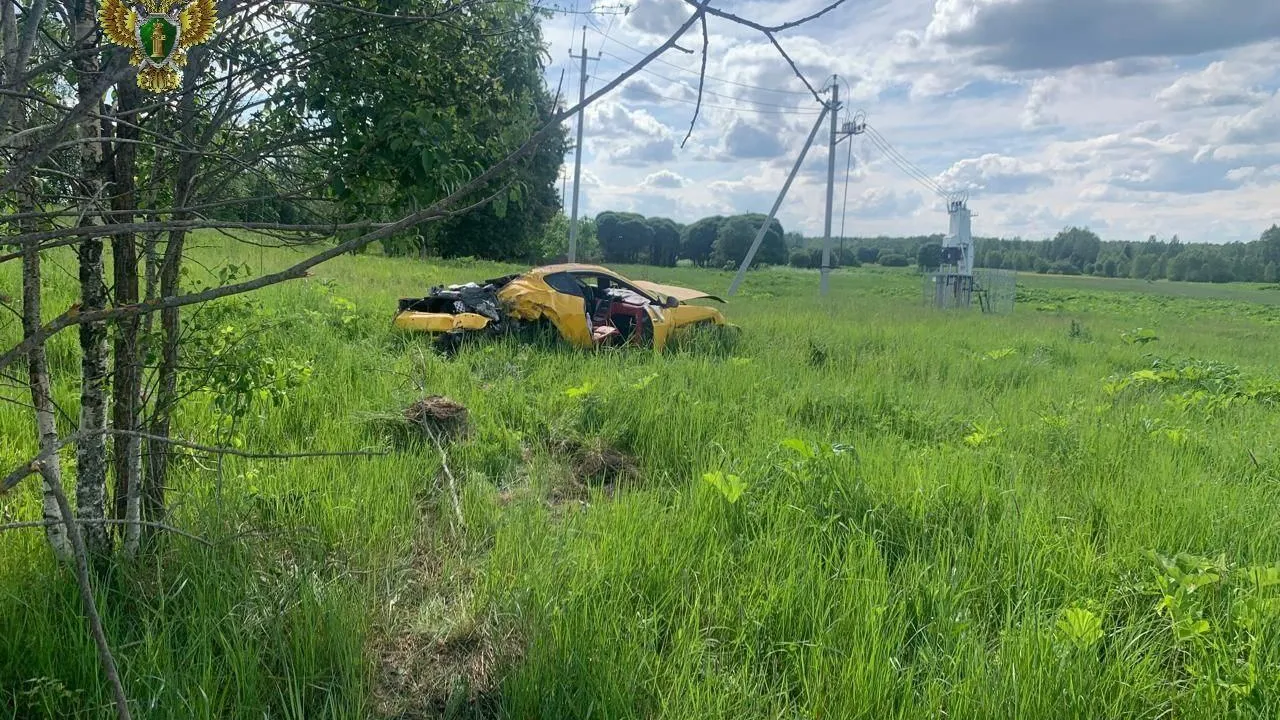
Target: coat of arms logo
{"points": [[159, 33]]}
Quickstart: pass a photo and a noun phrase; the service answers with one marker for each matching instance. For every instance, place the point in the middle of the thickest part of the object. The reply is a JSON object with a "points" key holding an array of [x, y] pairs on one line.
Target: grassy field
{"points": [[866, 509]]}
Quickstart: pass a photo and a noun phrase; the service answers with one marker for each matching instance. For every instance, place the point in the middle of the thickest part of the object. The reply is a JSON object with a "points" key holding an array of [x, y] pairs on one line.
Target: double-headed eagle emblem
{"points": [[159, 33]]}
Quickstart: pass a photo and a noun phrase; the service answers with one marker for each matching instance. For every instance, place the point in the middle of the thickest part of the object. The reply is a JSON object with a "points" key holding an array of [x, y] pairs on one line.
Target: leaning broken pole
{"points": [[755, 244]]}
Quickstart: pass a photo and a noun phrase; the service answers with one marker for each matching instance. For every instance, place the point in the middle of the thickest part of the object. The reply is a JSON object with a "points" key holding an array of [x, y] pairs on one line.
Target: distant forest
{"points": [[718, 241]]}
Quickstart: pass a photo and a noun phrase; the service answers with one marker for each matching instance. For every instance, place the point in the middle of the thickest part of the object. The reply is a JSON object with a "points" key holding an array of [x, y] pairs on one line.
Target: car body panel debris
{"points": [[588, 305]]}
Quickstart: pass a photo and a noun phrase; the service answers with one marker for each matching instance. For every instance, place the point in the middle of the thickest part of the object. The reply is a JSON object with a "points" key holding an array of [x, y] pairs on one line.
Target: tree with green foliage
{"points": [[555, 239], [398, 134], [664, 247], [929, 256], [697, 240], [736, 234], [624, 237], [799, 258]]}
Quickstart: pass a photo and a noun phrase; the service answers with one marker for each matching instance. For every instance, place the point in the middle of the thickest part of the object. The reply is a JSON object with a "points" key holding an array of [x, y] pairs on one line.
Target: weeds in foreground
{"points": [[917, 515]]}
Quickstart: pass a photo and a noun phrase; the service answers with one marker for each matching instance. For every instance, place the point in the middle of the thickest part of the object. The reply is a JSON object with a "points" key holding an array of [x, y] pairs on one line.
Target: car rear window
{"points": [[564, 283]]}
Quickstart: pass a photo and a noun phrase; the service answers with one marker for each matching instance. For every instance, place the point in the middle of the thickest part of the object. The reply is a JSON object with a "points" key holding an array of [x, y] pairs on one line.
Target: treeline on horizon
{"points": [[719, 241]]}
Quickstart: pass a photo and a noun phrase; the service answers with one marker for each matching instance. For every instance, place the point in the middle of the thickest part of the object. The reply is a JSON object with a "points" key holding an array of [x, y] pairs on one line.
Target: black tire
{"points": [[449, 343]]}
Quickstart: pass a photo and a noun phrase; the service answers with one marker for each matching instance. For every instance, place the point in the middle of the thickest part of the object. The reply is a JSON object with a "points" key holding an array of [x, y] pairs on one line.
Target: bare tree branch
{"points": [[702, 76], [770, 30], [438, 209], [105, 658], [107, 521], [20, 473], [21, 167]]}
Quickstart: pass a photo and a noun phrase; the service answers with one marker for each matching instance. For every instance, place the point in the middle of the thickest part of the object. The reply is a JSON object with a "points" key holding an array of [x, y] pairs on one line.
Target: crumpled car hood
{"points": [[682, 294]]}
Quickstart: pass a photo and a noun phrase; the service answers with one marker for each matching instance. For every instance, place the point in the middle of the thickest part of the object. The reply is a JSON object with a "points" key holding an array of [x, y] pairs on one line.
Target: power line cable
{"points": [[903, 163], [738, 108], [709, 92], [844, 206], [709, 77], [599, 49], [603, 10], [898, 159]]}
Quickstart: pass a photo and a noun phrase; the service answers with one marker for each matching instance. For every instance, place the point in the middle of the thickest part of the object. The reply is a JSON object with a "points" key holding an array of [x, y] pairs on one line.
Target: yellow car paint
{"points": [[530, 298], [439, 322], [675, 291]]}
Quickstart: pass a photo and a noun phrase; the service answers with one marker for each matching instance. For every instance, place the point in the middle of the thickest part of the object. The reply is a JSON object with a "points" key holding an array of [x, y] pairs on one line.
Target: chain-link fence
{"points": [[989, 290]]}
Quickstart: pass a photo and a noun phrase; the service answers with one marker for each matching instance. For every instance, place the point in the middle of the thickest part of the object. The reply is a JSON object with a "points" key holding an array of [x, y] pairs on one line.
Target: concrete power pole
{"points": [[834, 109], [755, 244], [577, 150]]}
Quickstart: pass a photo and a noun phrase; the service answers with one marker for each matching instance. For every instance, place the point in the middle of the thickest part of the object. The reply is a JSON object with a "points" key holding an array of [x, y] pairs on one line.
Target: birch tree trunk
{"points": [[91, 451], [41, 388]]}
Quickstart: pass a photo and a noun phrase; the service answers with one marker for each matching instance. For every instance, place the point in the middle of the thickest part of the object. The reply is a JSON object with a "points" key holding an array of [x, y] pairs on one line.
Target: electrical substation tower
{"points": [[953, 284], [960, 235]]}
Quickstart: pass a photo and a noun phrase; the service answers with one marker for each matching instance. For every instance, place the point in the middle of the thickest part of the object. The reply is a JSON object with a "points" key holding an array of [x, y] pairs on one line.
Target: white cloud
{"points": [[658, 17], [1259, 125], [1036, 113], [1104, 113], [995, 174], [884, 202], [1219, 84], [1047, 34], [665, 179]]}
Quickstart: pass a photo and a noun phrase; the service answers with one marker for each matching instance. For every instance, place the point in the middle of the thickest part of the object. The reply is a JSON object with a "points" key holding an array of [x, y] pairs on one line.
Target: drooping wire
{"points": [[691, 71], [738, 108], [647, 71], [844, 205], [604, 38], [903, 163]]}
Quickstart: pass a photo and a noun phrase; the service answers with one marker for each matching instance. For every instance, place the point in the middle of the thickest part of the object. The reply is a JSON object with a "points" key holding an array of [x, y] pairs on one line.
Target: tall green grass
{"points": [[940, 514]]}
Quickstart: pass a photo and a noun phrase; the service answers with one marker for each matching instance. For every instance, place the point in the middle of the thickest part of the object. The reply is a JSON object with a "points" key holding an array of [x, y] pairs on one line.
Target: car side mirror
{"points": [[671, 302]]}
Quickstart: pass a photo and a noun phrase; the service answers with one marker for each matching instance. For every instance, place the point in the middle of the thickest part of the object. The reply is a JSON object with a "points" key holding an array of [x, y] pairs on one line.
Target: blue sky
{"points": [[1133, 117]]}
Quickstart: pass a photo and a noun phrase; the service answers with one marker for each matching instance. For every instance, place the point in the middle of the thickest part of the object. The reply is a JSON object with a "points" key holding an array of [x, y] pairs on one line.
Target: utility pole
{"points": [[577, 150], [838, 133], [755, 244], [834, 111]]}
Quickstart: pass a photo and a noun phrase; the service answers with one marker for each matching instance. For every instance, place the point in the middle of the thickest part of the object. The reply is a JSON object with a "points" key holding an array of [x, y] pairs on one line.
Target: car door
{"points": [[567, 308]]}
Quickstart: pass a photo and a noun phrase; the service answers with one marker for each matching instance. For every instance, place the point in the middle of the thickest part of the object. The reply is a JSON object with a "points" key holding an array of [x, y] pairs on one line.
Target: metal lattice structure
{"points": [[989, 290], [956, 283]]}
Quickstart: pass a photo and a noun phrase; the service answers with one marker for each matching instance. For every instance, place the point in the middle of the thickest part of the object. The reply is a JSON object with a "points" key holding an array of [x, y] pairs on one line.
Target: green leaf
{"points": [[1080, 627], [1262, 576], [799, 446], [1188, 629], [729, 485]]}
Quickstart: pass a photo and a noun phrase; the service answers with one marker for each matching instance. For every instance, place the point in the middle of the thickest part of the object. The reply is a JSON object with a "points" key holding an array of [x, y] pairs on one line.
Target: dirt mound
{"points": [[439, 654], [594, 460], [438, 416]]}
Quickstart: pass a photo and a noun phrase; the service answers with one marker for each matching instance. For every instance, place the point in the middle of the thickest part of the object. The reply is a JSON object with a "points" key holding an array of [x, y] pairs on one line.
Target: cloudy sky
{"points": [[1130, 116]]}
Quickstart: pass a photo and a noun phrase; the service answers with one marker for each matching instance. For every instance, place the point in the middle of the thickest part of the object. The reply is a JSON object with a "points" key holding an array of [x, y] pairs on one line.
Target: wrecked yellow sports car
{"points": [[587, 305]]}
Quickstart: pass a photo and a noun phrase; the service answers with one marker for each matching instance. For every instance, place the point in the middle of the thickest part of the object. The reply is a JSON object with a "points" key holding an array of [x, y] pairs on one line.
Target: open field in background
{"points": [[865, 509]]}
